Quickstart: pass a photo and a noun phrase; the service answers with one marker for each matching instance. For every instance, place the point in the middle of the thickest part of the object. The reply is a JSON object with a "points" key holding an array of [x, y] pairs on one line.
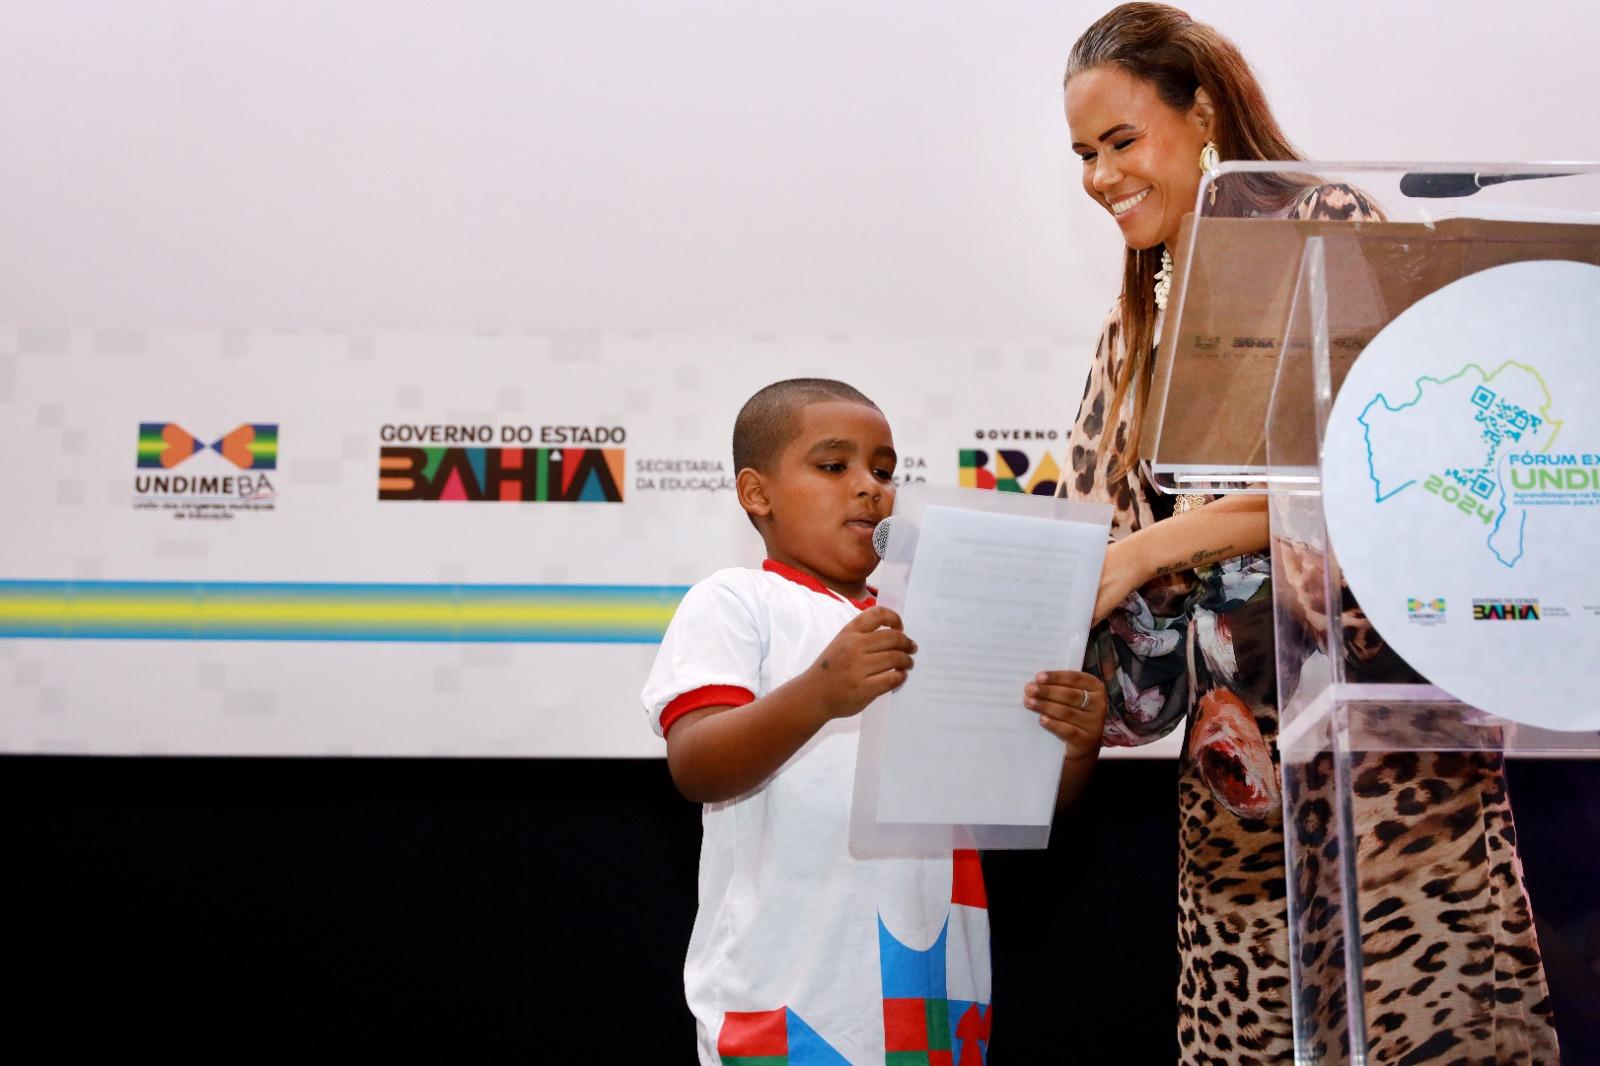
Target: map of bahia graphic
{"points": [[1455, 438]]}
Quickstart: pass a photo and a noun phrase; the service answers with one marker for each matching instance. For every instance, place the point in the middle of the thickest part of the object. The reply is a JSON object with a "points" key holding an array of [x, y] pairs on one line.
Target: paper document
{"points": [[993, 599]]}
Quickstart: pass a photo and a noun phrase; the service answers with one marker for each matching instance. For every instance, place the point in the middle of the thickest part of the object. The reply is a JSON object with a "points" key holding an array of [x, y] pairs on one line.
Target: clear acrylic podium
{"points": [[1265, 319]]}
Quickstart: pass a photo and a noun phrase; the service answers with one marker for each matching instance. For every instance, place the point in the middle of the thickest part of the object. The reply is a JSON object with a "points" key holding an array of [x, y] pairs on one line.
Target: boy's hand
{"points": [[1072, 705], [869, 657]]}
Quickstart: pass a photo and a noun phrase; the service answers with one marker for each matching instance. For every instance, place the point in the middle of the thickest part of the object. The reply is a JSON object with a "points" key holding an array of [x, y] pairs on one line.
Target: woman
{"points": [[1154, 99]]}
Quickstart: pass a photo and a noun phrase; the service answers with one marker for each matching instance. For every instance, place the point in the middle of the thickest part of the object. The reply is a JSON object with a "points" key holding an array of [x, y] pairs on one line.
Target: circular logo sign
{"points": [[1461, 487]]}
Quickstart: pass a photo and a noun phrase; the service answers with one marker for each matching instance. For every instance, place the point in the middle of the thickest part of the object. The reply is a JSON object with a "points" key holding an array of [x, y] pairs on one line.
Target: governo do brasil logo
{"points": [[1014, 463]]}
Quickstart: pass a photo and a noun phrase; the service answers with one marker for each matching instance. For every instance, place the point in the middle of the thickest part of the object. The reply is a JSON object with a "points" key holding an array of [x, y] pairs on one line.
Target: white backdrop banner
{"points": [[309, 542]]}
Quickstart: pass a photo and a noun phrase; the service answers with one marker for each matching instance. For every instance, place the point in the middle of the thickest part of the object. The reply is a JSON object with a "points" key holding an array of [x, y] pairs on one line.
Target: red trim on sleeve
{"points": [[704, 696], [800, 577]]}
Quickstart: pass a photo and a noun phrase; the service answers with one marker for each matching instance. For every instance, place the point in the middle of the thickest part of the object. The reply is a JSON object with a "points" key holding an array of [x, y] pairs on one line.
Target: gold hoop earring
{"points": [[1209, 161]]}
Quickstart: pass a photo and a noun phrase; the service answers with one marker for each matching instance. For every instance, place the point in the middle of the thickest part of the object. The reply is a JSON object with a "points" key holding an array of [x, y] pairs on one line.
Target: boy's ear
{"points": [[752, 489]]}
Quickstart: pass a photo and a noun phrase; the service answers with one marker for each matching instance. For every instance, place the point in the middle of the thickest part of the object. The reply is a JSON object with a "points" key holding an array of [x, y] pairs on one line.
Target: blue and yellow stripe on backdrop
{"points": [[179, 610]]}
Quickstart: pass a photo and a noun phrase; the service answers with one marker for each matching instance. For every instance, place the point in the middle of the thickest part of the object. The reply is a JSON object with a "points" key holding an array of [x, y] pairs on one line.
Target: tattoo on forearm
{"points": [[1196, 559]]}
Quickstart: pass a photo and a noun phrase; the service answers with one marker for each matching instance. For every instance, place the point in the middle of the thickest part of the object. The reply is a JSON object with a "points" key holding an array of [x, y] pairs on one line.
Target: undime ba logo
{"points": [[199, 493], [164, 445], [1425, 612]]}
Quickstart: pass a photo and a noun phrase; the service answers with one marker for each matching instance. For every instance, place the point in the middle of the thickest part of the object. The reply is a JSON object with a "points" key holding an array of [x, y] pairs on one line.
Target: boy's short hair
{"points": [[767, 422]]}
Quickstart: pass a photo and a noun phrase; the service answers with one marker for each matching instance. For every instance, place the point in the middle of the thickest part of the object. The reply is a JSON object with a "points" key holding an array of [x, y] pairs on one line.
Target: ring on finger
{"points": [[1083, 699]]}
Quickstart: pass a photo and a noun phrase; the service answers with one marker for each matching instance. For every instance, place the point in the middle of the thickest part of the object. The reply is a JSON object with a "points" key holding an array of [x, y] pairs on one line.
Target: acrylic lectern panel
{"points": [[1402, 855], [1238, 271]]}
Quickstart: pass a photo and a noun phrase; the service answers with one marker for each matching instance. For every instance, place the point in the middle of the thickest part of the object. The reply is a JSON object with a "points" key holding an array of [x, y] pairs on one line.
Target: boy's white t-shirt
{"points": [[799, 947]]}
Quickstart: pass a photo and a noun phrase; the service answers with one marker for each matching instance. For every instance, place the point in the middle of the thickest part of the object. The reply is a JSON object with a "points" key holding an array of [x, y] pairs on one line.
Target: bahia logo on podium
{"points": [[192, 480], [484, 463], [1463, 455], [1505, 610]]}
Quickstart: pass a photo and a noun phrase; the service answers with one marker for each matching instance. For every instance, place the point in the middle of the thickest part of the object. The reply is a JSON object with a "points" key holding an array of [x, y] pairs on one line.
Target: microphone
{"points": [[1440, 186], [880, 536]]}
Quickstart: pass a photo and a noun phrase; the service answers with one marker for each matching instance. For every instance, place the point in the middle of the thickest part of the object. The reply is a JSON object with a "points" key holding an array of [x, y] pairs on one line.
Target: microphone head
{"points": [[880, 536]]}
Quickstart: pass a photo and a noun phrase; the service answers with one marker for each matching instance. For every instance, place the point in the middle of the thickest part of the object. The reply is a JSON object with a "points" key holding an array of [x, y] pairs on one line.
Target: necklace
{"points": [[1163, 280]]}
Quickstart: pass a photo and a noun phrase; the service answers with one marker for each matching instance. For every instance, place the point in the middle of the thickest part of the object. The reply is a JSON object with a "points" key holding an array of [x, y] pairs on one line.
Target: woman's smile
{"points": [[1123, 206]]}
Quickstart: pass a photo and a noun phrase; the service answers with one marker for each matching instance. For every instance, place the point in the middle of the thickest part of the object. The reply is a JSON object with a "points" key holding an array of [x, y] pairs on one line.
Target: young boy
{"points": [[801, 948]]}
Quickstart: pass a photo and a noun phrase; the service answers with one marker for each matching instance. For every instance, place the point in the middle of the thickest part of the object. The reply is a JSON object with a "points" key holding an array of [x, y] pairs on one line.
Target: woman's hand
{"points": [[1222, 529], [1123, 574], [1072, 705]]}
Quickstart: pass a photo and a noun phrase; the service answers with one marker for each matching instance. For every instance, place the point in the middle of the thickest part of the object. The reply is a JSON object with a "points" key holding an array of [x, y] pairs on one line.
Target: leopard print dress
{"points": [[1198, 648]]}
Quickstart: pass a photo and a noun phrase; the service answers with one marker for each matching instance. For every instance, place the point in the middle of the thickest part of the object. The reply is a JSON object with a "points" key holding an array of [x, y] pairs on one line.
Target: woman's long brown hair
{"points": [[1163, 46]]}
